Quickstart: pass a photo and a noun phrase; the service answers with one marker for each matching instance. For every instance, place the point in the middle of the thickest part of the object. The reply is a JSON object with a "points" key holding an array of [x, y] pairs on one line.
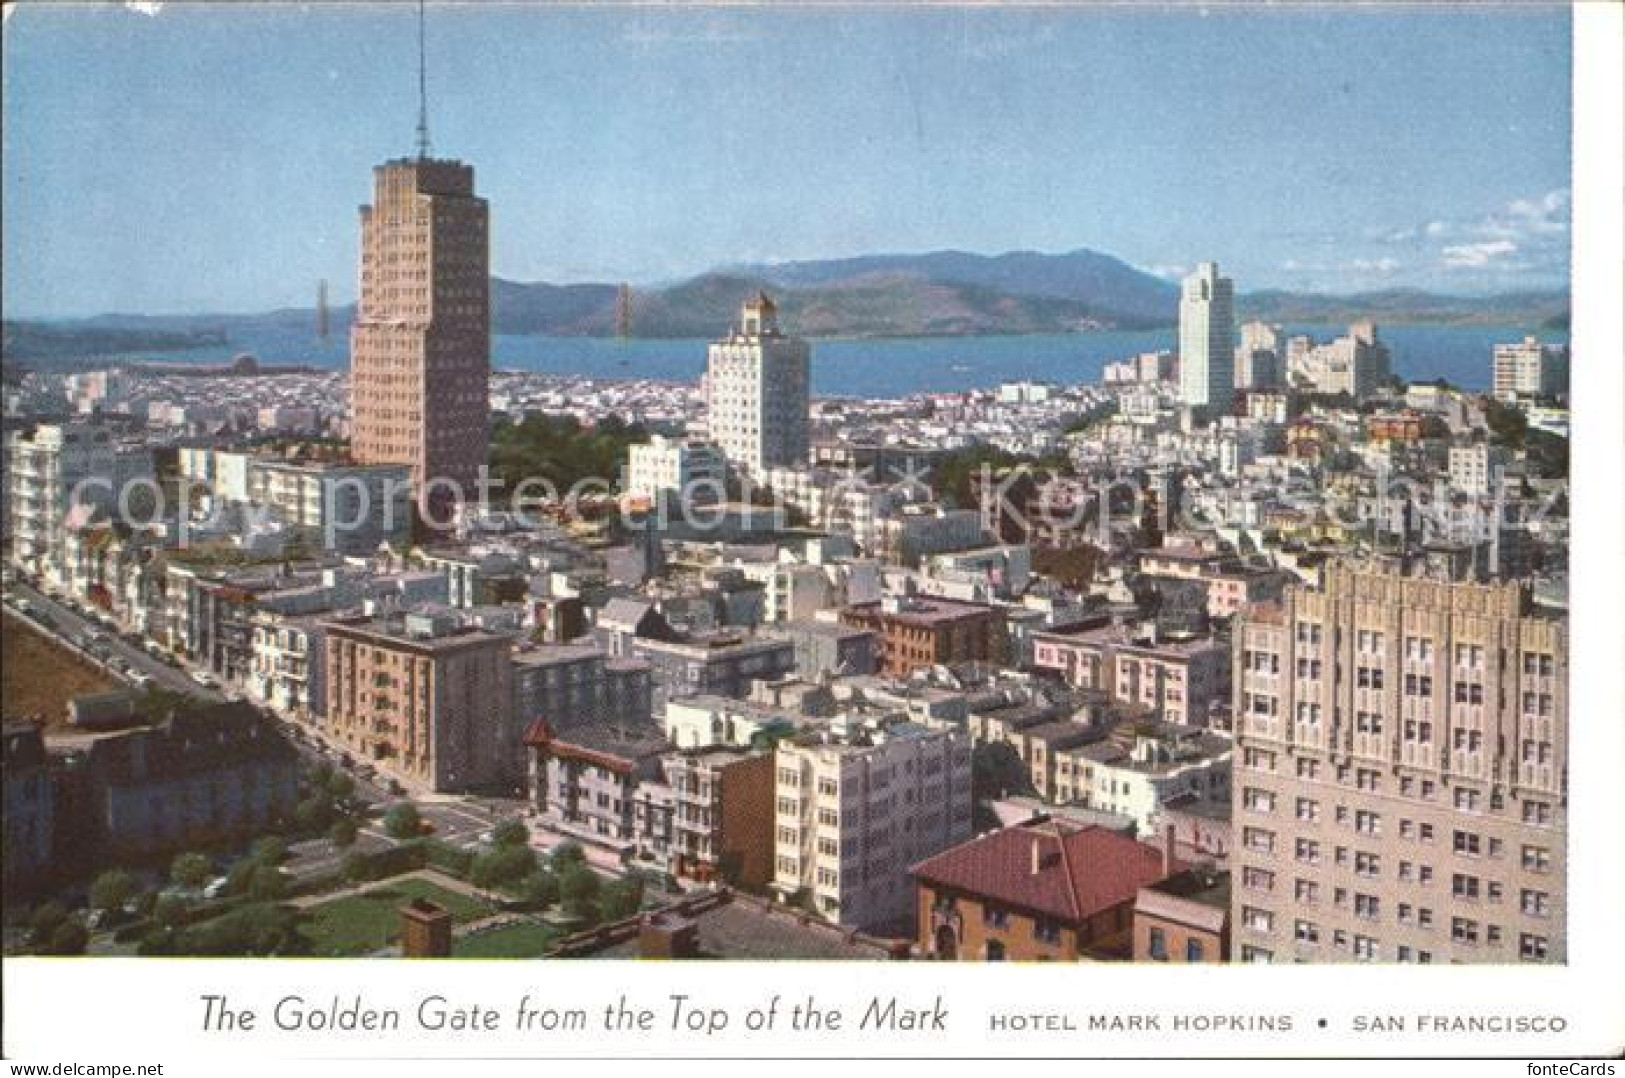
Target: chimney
{"points": [[668, 936], [1169, 845]]}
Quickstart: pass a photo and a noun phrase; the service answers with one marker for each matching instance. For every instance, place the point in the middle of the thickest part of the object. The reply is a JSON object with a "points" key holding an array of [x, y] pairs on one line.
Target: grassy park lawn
{"points": [[522, 939], [361, 924]]}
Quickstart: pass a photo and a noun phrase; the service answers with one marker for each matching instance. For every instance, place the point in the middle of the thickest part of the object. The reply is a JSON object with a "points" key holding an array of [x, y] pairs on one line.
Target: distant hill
{"points": [[47, 340], [1407, 305], [1108, 287], [941, 293]]}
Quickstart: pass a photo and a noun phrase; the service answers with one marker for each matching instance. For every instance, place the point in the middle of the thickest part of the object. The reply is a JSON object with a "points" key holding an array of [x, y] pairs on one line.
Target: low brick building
{"points": [[1184, 918], [920, 631], [1043, 891]]}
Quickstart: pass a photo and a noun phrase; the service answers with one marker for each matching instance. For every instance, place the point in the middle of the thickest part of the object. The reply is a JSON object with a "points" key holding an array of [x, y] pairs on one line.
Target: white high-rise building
{"points": [[692, 469], [756, 391], [1207, 340], [856, 806], [1530, 369], [54, 467], [1260, 361]]}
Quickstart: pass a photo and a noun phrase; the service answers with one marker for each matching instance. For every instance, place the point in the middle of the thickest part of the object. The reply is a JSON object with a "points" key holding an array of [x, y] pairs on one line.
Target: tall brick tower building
{"points": [[420, 349]]}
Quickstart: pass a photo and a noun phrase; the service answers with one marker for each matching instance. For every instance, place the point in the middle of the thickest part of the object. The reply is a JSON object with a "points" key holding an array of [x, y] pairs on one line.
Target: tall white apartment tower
{"points": [[756, 391], [1207, 340]]}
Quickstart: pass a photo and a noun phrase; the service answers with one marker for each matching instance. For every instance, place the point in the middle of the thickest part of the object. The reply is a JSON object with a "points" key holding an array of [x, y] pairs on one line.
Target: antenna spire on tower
{"points": [[423, 89]]}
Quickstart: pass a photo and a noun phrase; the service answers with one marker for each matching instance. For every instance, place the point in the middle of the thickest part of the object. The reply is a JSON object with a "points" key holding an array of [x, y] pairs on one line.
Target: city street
{"points": [[68, 623]]}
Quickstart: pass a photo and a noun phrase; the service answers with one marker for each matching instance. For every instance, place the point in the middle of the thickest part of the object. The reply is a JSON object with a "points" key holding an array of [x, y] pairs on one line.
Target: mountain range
{"points": [[942, 293]]}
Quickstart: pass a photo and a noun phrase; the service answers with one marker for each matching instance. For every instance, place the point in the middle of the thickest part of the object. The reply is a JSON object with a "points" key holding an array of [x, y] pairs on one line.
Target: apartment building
{"points": [[696, 471], [339, 506], [426, 700], [1401, 781], [722, 815], [757, 391], [603, 784], [573, 685], [1177, 678], [1357, 363], [1530, 368], [53, 467], [917, 631], [856, 804]]}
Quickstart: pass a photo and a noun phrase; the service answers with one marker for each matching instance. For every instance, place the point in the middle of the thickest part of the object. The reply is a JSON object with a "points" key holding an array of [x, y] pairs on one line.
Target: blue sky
{"points": [[208, 159]]}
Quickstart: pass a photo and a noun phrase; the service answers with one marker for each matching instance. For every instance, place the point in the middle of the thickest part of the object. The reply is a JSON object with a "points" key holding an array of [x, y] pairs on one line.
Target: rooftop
{"points": [[731, 925], [1048, 867]]}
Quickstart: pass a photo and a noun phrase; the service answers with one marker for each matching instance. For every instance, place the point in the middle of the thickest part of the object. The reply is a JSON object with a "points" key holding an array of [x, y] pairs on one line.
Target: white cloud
{"points": [[145, 7], [1477, 255], [1435, 228], [1169, 271], [1381, 266]]}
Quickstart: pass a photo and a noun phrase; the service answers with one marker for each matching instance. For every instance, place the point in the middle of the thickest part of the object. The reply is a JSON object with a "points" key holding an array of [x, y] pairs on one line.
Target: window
{"points": [[1463, 886], [1463, 930], [1365, 949], [1306, 892], [1046, 932], [1537, 859], [1466, 843], [1257, 879], [1193, 950], [995, 951], [1308, 809], [1308, 852], [1366, 864], [1536, 904], [1466, 800], [1367, 823], [1306, 932], [1258, 800], [1537, 812], [1532, 948], [1258, 840], [1366, 906], [994, 917], [1258, 920], [1159, 945]]}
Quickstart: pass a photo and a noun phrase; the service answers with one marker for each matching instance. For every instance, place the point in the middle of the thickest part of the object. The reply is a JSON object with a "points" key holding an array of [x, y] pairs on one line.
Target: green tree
{"points": [[566, 854], [510, 833], [403, 821], [313, 813], [111, 890], [271, 850], [46, 920], [341, 786], [997, 771], [579, 889], [502, 865], [621, 898], [189, 870], [69, 937], [342, 833], [267, 884], [539, 890], [169, 911], [357, 868]]}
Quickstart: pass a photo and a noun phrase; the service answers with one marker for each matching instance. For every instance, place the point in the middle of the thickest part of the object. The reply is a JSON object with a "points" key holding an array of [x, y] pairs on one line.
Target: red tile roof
{"points": [[1081, 871]]}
